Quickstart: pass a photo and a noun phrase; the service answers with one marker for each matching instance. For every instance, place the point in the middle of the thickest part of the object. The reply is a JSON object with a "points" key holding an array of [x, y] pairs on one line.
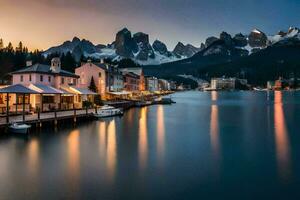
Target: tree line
{"points": [[15, 58]]}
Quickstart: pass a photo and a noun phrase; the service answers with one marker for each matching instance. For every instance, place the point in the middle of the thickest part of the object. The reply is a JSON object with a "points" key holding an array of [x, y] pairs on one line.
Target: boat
{"points": [[165, 100], [19, 128], [143, 103], [260, 89], [108, 111]]}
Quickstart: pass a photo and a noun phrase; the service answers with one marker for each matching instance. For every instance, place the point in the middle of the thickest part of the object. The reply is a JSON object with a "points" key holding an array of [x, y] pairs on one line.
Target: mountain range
{"points": [[250, 54], [126, 45], [256, 56]]}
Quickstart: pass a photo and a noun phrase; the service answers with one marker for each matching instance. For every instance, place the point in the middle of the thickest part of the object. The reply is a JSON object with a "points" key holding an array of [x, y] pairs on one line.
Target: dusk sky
{"points": [[44, 23]]}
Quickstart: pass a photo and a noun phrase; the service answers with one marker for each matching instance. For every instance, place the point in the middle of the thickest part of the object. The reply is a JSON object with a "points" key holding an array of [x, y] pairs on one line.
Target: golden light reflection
{"points": [[281, 138], [102, 139], [74, 157], [160, 133], [111, 152], [214, 131], [33, 156], [214, 95], [143, 140]]}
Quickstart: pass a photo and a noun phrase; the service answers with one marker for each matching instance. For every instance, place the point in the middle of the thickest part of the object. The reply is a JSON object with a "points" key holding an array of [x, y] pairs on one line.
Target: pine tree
{"points": [[68, 62], [19, 48], [9, 48], [1, 44], [93, 86]]}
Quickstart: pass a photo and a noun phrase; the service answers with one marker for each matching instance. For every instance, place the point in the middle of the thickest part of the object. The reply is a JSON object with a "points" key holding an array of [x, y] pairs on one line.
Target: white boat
{"points": [[108, 111], [19, 128], [143, 103]]}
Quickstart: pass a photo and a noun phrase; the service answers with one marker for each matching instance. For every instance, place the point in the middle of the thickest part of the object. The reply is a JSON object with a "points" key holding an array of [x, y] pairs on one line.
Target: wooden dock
{"points": [[48, 117]]}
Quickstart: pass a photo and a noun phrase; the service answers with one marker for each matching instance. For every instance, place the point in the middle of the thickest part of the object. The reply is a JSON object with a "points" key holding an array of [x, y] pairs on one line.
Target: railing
{"points": [[44, 116]]}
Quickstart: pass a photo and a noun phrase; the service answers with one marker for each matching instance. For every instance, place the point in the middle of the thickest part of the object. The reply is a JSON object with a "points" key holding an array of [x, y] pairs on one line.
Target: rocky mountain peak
{"points": [[185, 50], [210, 40], [75, 39], [240, 40], [226, 38], [141, 37], [282, 33], [124, 43], [160, 47], [257, 39]]}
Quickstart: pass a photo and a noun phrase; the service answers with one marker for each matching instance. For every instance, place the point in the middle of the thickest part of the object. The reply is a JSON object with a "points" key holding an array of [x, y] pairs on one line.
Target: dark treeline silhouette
{"points": [[15, 58]]}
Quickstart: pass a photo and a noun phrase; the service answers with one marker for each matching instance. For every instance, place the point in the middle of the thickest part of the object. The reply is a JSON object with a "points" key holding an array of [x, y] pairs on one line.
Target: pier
{"points": [[55, 116]]}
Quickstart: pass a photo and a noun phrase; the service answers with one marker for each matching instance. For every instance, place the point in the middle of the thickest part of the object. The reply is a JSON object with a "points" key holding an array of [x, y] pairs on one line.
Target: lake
{"points": [[218, 145]]}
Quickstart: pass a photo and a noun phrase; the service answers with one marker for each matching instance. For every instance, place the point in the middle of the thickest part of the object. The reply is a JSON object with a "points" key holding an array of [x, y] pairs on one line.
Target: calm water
{"points": [[211, 145]]}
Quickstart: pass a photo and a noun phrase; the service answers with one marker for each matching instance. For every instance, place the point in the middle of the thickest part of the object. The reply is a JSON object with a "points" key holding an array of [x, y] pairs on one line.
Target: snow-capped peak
{"points": [[256, 31]]}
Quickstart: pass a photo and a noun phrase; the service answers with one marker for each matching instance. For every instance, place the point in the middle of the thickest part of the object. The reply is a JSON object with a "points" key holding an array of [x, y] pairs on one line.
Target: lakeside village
{"points": [[41, 92], [47, 92], [230, 84]]}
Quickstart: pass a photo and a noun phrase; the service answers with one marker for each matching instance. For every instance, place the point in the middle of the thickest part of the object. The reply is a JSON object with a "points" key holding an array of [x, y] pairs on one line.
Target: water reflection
{"points": [[214, 130], [74, 158], [102, 139], [33, 157], [160, 134], [281, 138], [111, 151], [143, 140], [214, 95]]}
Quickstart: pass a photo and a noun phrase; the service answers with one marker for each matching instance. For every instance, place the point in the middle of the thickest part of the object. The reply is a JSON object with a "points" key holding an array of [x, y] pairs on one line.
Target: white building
{"points": [[152, 84]]}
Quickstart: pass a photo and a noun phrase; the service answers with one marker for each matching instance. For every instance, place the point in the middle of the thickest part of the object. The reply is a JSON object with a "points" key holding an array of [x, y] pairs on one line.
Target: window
{"points": [[41, 78], [1, 99], [20, 99], [49, 78], [21, 78], [99, 74], [30, 77], [74, 81], [62, 81], [48, 99]]}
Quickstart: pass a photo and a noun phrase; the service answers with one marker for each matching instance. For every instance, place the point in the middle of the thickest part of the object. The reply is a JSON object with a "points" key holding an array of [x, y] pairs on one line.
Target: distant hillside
{"points": [[268, 64], [223, 56]]}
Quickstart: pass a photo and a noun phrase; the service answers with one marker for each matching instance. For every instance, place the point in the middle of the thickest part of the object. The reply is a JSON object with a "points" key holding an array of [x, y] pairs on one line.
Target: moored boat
{"points": [[143, 103], [19, 128], [108, 111], [165, 100]]}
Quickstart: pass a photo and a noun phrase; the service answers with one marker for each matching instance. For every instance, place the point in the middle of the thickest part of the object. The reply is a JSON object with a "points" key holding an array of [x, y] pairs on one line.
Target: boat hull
{"points": [[19, 130]]}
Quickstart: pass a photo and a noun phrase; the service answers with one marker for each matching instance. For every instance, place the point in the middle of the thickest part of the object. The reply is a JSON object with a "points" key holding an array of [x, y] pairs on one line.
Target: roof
{"points": [[100, 65], [44, 89], [17, 89], [44, 69], [82, 91], [133, 75], [120, 93], [135, 70]]}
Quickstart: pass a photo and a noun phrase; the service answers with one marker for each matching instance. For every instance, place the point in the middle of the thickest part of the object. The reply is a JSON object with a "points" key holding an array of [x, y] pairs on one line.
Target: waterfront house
{"points": [[227, 83], [114, 82], [131, 82], [164, 85], [89, 70], [134, 75], [151, 83], [56, 88]]}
